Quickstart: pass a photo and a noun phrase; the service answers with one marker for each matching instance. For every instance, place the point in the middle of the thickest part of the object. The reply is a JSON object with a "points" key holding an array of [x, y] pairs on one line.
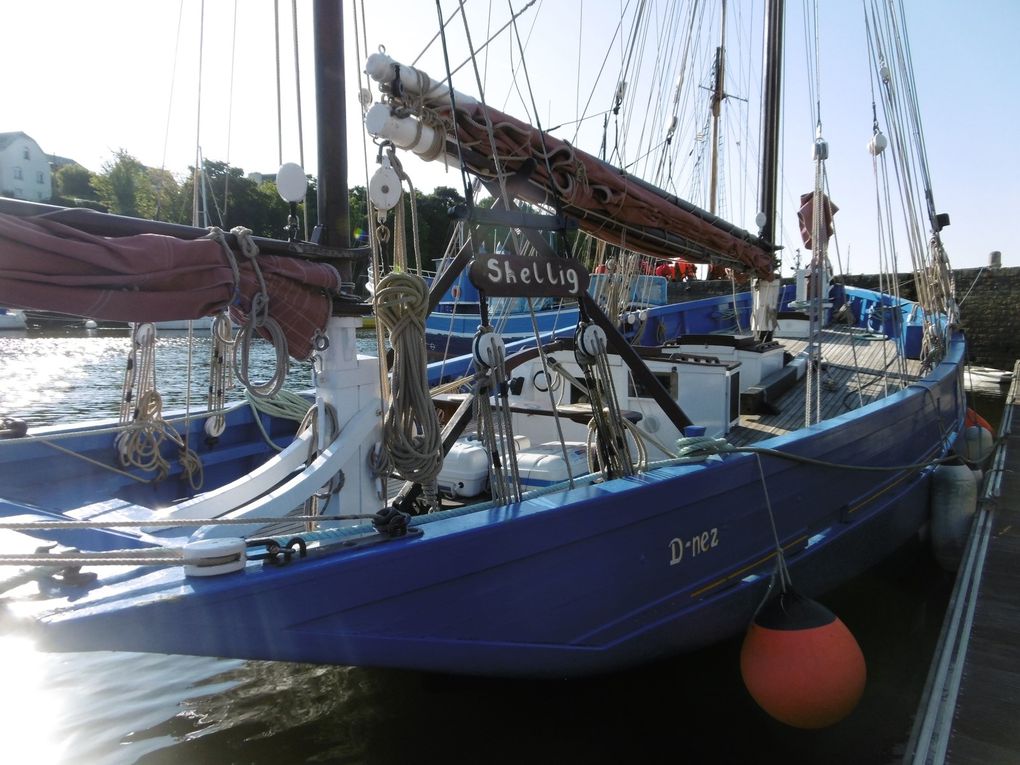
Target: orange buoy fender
{"points": [[801, 664], [973, 418]]}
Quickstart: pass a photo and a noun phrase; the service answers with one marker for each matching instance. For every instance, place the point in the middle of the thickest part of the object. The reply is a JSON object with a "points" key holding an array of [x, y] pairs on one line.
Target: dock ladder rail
{"points": [[933, 726]]}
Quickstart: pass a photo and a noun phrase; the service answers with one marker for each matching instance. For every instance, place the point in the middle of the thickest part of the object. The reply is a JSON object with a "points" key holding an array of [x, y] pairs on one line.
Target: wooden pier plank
{"points": [[986, 720]]}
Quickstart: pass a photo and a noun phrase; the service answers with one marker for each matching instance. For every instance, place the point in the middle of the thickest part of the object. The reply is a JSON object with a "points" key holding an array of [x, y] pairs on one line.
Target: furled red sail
{"points": [[49, 266], [806, 217], [607, 202]]}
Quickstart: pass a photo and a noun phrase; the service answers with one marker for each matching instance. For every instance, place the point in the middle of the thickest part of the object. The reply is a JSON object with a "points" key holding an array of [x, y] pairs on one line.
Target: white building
{"points": [[24, 169]]}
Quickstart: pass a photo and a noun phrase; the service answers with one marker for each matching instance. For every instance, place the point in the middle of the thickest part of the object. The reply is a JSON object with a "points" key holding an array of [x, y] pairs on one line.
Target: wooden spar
{"points": [[773, 76], [333, 228], [718, 94], [606, 201]]}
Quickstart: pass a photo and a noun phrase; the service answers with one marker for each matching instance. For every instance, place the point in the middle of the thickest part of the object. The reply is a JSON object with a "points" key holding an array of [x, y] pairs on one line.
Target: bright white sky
{"points": [[85, 79]]}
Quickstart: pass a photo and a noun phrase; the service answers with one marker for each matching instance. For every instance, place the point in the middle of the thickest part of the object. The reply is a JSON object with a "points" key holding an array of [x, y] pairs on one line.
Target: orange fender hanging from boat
{"points": [[973, 418], [801, 664]]}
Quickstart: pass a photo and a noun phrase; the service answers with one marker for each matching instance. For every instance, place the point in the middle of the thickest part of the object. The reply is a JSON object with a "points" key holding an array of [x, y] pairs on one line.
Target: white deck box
{"points": [[465, 470], [543, 465]]}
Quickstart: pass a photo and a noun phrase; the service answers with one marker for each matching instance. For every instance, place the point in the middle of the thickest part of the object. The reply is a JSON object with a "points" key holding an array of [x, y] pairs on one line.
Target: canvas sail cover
{"points": [[806, 217], [49, 266], [607, 202]]}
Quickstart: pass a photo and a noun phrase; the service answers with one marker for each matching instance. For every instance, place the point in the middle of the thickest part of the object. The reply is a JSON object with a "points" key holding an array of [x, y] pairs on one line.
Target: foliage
{"points": [[72, 182], [231, 198], [125, 187]]}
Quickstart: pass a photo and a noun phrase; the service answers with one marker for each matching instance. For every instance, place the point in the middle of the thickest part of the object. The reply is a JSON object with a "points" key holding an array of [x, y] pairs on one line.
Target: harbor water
{"points": [[141, 708]]}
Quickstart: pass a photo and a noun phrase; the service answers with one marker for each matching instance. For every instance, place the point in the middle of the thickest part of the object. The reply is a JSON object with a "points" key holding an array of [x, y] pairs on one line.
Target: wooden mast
{"points": [[773, 76], [333, 203], [718, 94]]}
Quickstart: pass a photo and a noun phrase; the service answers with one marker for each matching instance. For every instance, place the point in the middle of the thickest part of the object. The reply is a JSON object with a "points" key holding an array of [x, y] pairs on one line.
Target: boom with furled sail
{"points": [[608, 202]]}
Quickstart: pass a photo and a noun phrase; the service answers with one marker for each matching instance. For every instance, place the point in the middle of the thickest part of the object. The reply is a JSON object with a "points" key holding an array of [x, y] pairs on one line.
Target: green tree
{"points": [[168, 194], [125, 187], [72, 182]]}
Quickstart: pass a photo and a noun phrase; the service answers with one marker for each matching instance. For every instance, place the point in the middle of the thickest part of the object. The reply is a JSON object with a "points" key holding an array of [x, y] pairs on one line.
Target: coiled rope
{"points": [[284, 405], [141, 414], [411, 429]]}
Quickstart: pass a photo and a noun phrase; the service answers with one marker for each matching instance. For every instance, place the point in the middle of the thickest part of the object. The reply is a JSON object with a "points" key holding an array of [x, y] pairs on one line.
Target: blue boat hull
{"points": [[595, 579]]}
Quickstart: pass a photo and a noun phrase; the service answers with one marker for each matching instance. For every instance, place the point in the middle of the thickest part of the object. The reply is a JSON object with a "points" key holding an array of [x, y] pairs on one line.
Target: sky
{"points": [[87, 79]]}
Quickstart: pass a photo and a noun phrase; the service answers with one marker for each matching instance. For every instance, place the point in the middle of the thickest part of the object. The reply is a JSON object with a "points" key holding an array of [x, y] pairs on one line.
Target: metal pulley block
{"points": [[384, 188], [488, 349], [589, 343]]}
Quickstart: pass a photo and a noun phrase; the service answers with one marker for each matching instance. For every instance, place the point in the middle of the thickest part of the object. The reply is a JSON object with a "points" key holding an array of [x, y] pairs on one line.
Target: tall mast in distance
{"points": [[718, 94]]}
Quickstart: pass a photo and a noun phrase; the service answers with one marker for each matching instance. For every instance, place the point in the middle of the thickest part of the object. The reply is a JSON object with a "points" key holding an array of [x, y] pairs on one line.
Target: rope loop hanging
{"points": [[259, 320]]}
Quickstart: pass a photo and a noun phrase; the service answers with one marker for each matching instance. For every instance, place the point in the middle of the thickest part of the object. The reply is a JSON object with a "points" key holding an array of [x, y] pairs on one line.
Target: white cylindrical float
{"points": [[405, 132], [953, 504]]}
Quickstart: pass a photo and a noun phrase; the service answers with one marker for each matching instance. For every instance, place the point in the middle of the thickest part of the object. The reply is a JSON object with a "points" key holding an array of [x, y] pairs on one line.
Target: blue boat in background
{"points": [[451, 327]]}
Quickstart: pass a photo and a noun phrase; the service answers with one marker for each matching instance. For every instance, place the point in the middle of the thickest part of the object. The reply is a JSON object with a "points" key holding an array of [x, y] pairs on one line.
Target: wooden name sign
{"points": [[523, 276]]}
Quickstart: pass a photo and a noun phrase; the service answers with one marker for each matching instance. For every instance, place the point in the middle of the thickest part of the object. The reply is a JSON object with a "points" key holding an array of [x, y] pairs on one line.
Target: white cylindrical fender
{"points": [[953, 504], [380, 67], [978, 444], [404, 132]]}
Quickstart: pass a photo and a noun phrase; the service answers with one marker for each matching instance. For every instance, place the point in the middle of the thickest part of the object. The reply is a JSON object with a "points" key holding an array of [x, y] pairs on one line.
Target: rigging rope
{"points": [[411, 432], [141, 414]]}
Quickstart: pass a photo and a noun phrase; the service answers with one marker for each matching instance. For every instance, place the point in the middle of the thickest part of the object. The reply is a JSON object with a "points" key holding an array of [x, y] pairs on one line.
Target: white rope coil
{"points": [[410, 428], [140, 444]]}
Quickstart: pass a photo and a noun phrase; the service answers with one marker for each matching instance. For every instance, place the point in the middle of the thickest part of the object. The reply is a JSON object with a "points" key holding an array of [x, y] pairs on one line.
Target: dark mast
{"points": [[333, 229], [773, 77]]}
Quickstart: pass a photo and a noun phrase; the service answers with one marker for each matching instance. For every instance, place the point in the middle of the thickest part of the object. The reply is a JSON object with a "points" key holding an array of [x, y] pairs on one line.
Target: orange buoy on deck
{"points": [[801, 664]]}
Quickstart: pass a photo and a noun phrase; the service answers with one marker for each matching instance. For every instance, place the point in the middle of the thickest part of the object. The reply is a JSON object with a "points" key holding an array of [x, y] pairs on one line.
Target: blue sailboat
{"points": [[578, 501]]}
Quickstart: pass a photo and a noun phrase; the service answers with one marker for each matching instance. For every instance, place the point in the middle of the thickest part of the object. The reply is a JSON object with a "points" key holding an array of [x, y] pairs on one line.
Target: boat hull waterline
{"points": [[599, 578]]}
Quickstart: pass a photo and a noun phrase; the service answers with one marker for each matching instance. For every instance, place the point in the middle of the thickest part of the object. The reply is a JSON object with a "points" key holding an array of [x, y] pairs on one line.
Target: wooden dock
{"points": [[970, 710]]}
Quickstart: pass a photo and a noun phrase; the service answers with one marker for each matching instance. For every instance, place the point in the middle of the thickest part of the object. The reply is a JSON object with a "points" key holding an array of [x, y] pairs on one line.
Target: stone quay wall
{"points": [[989, 308]]}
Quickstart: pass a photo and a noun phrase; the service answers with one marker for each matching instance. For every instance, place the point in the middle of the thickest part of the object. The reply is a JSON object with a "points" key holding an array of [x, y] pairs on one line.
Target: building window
{"points": [[39, 177], [17, 174], [24, 153]]}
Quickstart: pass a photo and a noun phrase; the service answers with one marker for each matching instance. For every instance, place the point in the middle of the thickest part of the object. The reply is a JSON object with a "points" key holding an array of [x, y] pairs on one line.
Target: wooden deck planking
{"points": [[852, 363], [986, 720]]}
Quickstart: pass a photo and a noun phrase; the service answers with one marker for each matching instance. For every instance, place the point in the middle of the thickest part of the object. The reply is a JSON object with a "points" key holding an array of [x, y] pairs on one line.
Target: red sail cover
{"points": [[48, 266], [806, 216], [605, 201]]}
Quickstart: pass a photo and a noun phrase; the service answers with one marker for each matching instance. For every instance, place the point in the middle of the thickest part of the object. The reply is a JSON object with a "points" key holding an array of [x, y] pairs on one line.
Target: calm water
{"points": [[128, 708]]}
